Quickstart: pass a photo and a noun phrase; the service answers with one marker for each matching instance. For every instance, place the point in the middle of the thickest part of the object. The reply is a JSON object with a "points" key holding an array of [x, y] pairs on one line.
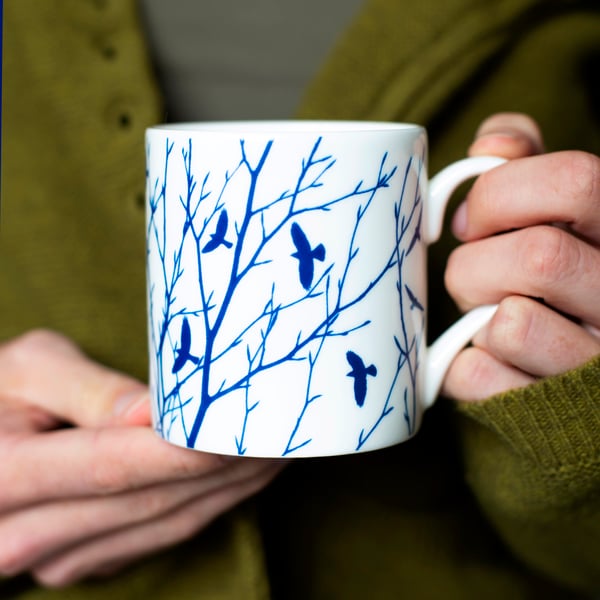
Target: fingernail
{"points": [[498, 133], [128, 403], [459, 221]]}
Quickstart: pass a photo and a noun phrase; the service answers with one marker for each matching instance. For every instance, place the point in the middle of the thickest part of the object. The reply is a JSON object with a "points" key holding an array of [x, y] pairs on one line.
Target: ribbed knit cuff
{"points": [[554, 422]]}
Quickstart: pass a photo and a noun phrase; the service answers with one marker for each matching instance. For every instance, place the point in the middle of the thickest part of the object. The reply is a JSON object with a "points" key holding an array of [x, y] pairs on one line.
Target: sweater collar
{"points": [[399, 62]]}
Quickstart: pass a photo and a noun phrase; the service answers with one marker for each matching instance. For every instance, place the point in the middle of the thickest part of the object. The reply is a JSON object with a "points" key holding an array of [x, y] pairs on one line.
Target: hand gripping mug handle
{"points": [[441, 353]]}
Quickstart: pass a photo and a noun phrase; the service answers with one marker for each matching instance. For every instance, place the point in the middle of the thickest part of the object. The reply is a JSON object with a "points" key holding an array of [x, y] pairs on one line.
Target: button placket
{"points": [[120, 103]]}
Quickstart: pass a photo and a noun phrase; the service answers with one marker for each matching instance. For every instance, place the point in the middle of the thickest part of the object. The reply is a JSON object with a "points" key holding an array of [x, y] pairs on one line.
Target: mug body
{"points": [[286, 285]]}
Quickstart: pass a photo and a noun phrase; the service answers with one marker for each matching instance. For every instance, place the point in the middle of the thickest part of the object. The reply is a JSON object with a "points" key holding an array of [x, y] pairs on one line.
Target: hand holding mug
{"points": [[532, 232], [96, 495], [287, 284]]}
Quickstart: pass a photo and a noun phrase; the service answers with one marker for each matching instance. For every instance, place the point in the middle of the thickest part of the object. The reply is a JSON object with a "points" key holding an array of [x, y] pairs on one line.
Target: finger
{"points": [[510, 135], [134, 543], [540, 262], [34, 534], [72, 463], [535, 339], [29, 536], [563, 187], [18, 416], [476, 375], [48, 370]]}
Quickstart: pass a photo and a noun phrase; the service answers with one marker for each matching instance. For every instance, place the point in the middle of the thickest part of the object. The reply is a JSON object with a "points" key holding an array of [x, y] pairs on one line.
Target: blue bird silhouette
{"points": [[183, 352], [414, 301], [306, 255], [416, 235], [218, 237], [359, 372]]}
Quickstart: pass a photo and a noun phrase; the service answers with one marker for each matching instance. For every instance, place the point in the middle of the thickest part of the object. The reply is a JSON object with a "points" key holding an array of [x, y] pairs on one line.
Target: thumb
{"points": [[510, 135], [49, 371], [132, 408]]}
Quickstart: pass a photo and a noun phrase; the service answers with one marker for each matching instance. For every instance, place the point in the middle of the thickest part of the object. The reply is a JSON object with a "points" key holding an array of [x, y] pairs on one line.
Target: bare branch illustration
{"points": [[221, 246]]}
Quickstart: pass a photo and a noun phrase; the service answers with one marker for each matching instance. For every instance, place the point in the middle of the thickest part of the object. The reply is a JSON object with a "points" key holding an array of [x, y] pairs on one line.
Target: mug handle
{"points": [[441, 353]]}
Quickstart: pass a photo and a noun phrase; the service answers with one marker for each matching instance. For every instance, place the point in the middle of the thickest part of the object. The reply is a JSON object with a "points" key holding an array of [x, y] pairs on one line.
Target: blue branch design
{"points": [[407, 348], [209, 343]]}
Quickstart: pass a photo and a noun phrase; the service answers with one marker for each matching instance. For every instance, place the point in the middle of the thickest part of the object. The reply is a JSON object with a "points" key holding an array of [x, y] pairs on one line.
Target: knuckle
{"points": [[582, 173], [510, 328], [33, 343], [547, 256], [470, 371], [39, 338]]}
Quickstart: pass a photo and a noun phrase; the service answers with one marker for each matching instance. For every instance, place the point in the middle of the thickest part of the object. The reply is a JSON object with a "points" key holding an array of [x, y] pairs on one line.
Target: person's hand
{"points": [[91, 497], [531, 229]]}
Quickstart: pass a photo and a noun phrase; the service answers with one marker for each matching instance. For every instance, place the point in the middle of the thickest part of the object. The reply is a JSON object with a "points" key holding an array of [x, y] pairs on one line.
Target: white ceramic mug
{"points": [[287, 284]]}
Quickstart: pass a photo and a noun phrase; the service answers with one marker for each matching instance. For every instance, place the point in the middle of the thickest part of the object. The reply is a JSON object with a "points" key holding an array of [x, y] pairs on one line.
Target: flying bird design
{"points": [[306, 255], [414, 301], [218, 237], [183, 352], [416, 235], [359, 373]]}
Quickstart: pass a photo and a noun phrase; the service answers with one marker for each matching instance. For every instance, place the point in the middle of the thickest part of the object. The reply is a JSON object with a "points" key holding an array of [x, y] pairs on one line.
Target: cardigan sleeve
{"points": [[532, 459]]}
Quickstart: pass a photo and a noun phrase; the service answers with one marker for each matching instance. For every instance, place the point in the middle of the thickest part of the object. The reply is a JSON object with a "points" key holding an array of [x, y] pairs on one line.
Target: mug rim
{"points": [[286, 126]]}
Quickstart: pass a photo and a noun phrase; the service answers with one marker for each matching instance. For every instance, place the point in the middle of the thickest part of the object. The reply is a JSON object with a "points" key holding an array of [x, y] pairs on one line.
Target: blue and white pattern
{"points": [[278, 303]]}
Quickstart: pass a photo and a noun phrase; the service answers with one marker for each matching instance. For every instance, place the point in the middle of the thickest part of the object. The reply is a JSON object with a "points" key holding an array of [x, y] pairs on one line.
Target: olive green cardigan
{"points": [[498, 499]]}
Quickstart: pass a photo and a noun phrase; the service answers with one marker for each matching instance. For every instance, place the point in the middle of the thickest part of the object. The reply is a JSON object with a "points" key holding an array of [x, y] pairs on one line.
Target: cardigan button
{"points": [[119, 114], [105, 47], [108, 51], [140, 200]]}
